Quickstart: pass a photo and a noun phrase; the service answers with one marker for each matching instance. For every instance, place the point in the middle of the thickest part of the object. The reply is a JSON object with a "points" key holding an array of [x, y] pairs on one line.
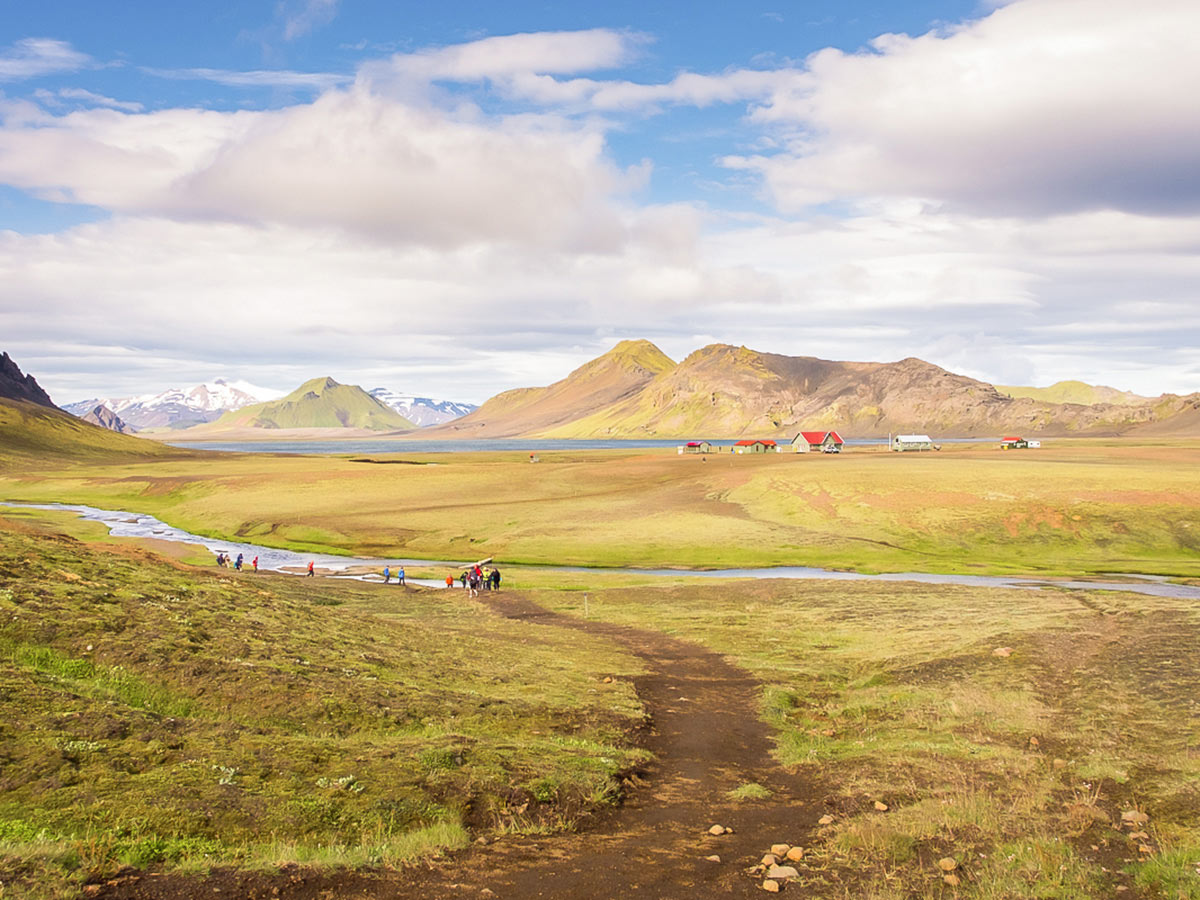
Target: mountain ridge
{"points": [[727, 391], [320, 403]]}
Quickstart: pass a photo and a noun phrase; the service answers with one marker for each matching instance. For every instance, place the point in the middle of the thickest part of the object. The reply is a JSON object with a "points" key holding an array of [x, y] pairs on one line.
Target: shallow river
{"points": [[137, 525]]}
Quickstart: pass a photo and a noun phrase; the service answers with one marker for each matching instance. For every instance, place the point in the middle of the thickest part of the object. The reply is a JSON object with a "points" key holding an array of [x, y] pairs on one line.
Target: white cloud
{"points": [[309, 16], [55, 98], [560, 52], [1044, 106], [257, 78], [31, 57], [351, 159]]}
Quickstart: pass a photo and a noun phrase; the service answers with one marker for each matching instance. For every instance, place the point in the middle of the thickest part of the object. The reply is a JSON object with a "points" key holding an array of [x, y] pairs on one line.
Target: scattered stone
{"points": [[1145, 848], [947, 863], [781, 872], [796, 854], [826, 819], [780, 849], [1033, 742], [771, 886], [881, 806], [713, 858], [1002, 651], [1138, 836], [1134, 817], [1121, 888], [1060, 764], [769, 860], [951, 880], [717, 830], [89, 648], [828, 732], [487, 892], [608, 679]]}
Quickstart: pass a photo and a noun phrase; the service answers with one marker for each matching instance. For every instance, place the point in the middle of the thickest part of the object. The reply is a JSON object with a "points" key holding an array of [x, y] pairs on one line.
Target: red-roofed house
{"points": [[697, 447], [755, 447], [817, 441]]}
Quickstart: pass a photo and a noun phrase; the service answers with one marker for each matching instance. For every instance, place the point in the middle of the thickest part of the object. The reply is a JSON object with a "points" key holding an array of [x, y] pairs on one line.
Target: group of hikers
{"points": [[473, 578], [225, 561]]}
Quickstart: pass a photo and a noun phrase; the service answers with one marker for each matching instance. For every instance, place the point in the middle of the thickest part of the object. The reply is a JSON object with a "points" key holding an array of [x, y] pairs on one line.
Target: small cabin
{"points": [[696, 447], [902, 443], [1018, 443], [755, 447], [817, 442]]}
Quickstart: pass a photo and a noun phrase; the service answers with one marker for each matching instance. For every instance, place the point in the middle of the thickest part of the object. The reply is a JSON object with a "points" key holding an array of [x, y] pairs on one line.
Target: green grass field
{"points": [[1018, 766], [158, 714], [152, 714], [1075, 508]]}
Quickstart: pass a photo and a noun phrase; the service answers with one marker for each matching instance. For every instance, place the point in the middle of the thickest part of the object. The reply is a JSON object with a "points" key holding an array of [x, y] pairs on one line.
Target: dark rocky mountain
{"points": [[15, 385]]}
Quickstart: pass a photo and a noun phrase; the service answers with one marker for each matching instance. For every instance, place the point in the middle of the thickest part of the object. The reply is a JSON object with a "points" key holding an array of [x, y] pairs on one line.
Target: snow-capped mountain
{"points": [[180, 407], [422, 411]]}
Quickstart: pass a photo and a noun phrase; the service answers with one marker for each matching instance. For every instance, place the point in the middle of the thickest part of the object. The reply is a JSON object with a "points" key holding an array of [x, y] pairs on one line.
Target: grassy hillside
{"points": [[319, 403], [33, 434], [1019, 767], [618, 374], [155, 713], [1074, 392]]}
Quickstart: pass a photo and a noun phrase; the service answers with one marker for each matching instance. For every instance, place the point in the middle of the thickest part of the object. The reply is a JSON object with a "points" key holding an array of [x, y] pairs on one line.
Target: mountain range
{"points": [[179, 408], [318, 403], [721, 391], [422, 411]]}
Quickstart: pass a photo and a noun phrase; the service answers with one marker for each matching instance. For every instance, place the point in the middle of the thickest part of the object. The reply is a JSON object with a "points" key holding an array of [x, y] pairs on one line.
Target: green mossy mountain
{"points": [[1075, 392], [318, 403]]}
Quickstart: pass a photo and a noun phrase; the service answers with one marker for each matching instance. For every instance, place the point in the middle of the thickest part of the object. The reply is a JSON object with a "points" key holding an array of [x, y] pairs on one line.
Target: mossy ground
{"points": [[1019, 765], [151, 713]]}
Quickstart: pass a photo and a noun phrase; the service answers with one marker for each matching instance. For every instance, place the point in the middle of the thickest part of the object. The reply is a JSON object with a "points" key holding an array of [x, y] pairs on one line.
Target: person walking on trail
{"points": [[254, 563], [449, 581], [387, 574], [463, 579], [473, 581], [400, 576], [238, 565], [495, 578], [221, 559], [310, 568]]}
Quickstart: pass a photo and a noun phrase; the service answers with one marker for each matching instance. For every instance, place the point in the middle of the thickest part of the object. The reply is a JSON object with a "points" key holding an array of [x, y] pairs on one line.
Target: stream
{"points": [[138, 525]]}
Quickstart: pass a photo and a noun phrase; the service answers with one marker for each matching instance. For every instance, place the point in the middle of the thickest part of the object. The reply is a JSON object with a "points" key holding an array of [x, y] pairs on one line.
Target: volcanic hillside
{"points": [[722, 391], [619, 375]]}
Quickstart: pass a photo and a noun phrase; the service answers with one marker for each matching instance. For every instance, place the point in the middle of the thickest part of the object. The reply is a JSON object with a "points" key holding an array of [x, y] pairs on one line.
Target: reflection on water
{"points": [[137, 525]]}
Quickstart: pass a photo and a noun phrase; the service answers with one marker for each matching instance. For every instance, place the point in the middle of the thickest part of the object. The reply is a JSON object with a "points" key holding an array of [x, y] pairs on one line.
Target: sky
{"points": [[458, 198]]}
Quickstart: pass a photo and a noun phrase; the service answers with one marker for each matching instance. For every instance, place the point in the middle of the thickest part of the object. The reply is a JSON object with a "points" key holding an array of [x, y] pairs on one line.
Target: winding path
{"points": [[706, 739]]}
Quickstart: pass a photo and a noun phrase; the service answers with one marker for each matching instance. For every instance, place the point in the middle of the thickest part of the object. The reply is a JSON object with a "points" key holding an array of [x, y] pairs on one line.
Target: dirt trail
{"points": [[706, 738]]}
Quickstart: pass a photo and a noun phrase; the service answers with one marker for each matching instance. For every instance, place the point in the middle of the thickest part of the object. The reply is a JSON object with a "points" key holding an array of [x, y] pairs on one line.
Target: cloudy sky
{"points": [[462, 197]]}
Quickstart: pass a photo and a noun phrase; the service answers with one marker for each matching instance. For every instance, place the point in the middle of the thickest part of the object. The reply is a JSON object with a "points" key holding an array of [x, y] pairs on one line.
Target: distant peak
{"points": [[317, 385], [640, 353]]}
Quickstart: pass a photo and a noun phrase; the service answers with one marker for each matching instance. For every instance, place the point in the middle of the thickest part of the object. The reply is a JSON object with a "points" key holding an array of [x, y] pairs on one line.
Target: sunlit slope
{"points": [[721, 391], [31, 433], [319, 403], [619, 374], [1074, 392]]}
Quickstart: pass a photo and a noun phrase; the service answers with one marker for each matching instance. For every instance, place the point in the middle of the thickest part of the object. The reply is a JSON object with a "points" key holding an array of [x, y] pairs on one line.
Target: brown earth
{"points": [[706, 738]]}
